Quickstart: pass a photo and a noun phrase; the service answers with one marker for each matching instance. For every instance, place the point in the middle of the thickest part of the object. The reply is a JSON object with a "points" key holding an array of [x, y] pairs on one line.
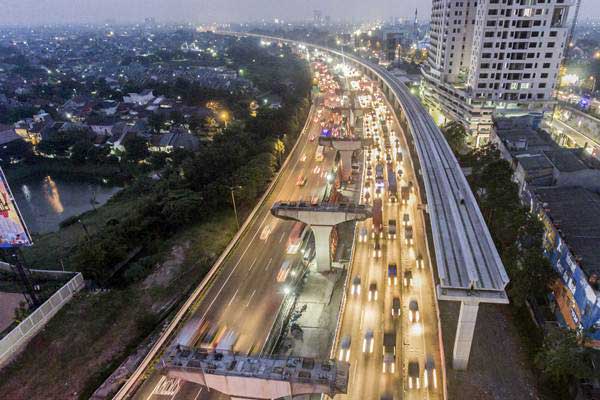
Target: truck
{"points": [[392, 229], [392, 185], [379, 174], [389, 352], [377, 219]]}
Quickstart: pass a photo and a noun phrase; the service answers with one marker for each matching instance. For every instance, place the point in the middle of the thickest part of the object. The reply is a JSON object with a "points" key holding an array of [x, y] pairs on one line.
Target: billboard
{"points": [[13, 231]]}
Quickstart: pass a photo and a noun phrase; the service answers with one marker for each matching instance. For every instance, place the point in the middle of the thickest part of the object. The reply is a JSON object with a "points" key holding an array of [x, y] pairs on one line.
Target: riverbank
{"points": [[108, 173]]}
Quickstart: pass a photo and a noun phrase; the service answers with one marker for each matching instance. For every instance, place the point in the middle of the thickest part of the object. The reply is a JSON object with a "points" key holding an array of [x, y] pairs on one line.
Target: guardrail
{"points": [[160, 343], [15, 341]]}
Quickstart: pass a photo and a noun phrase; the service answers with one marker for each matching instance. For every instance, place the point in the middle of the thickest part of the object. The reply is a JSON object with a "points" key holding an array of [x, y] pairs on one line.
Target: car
{"points": [[373, 292], [389, 352], [356, 285], [389, 364], [408, 277], [413, 312], [406, 219], [311, 138], [392, 274], [264, 235], [284, 270], [376, 249], [429, 375], [419, 261], [303, 158], [362, 234], [301, 180], [414, 373], [396, 307], [314, 200], [368, 342], [345, 349]]}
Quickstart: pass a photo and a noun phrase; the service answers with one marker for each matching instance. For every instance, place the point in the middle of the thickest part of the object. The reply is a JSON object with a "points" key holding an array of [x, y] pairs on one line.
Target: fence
{"points": [[16, 339]]}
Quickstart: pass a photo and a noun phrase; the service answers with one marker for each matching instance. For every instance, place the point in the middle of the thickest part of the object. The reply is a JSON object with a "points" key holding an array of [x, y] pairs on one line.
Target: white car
{"points": [[345, 349], [264, 235], [356, 285], [368, 342], [362, 235]]}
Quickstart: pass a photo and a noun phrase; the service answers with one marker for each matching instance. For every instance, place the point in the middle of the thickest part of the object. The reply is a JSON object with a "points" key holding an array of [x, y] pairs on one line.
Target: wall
{"points": [[576, 299], [15, 341]]}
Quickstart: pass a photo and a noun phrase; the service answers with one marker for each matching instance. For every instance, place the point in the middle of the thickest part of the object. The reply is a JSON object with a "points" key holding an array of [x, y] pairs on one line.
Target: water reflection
{"points": [[46, 201], [52, 195]]}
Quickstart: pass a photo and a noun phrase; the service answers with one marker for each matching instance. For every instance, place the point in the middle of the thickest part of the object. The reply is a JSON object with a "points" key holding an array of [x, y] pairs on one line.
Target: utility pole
{"points": [[232, 188]]}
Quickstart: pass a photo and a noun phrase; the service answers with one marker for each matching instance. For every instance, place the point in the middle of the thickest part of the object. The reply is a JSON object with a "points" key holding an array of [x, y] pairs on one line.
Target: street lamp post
{"points": [[232, 188]]}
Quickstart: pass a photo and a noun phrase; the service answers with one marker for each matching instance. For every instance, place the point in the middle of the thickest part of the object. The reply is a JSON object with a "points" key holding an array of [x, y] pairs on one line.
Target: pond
{"points": [[46, 201]]}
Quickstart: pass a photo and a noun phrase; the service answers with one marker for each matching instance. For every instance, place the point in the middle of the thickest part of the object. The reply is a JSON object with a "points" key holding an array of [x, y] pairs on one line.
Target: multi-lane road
{"points": [[246, 295], [366, 316]]}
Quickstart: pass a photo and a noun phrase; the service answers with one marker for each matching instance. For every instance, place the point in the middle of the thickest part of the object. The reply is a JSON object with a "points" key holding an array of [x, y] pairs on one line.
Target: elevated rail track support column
{"points": [[464, 334], [321, 218], [346, 147]]}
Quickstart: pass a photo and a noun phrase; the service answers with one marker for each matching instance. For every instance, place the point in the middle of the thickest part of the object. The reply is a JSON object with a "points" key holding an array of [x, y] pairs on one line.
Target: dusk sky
{"points": [[53, 11]]}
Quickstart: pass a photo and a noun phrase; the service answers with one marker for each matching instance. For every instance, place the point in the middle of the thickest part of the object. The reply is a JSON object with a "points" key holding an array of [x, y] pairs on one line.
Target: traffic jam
{"points": [[395, 273]]}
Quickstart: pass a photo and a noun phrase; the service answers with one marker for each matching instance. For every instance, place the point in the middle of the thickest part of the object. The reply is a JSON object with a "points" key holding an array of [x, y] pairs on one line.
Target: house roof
{"points": [[576, 212]]}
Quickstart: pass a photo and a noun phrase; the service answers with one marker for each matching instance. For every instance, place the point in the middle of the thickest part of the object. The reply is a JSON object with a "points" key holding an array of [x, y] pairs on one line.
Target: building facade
{"points": [[490, 57]]}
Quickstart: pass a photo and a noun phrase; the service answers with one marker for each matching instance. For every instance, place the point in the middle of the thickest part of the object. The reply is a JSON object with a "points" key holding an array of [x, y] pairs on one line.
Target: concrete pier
{"points": [[321, 218], [464, 334]]}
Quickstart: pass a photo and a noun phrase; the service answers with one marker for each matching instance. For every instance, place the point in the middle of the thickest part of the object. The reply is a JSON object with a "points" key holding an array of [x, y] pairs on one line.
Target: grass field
{"points": [[94, 333]]}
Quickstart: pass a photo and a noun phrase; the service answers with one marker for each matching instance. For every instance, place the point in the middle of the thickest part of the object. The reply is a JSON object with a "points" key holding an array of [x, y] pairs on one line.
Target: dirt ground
{"points": [[8, 303], [498, 367]]}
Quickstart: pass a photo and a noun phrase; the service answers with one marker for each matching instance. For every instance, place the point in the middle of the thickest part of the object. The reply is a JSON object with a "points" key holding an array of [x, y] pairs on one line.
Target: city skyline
{"points": [[61, 11]]}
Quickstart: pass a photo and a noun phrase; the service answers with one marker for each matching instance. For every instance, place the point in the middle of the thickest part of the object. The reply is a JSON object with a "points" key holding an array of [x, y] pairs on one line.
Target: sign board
{"points": [[13, 231]]}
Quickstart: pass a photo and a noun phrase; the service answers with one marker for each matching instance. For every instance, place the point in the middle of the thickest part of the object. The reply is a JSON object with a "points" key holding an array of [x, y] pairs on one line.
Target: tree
{"points": [[79, 151], [279, 149], [563, 358], [156, 121], [136, 149], [456, 136]]}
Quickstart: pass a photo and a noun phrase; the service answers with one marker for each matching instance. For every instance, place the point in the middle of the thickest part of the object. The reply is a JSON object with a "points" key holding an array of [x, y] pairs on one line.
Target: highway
{"points": [[414, 342], [245, 296]]}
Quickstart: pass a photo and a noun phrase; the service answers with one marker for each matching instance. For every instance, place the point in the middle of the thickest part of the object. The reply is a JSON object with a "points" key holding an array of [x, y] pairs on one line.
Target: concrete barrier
{"points": [[15, 341]]}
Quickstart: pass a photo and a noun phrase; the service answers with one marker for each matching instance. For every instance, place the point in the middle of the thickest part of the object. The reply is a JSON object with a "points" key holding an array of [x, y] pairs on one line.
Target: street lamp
{"points": [[330, 178], [225, 118], [232, 188]]}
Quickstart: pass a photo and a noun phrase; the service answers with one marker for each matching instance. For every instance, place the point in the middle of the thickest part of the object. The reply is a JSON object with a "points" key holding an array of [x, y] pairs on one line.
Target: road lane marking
{"points": [[282, 236], [250, 299], [233, 297], [269, 264], [252, 265], [198, 394]]}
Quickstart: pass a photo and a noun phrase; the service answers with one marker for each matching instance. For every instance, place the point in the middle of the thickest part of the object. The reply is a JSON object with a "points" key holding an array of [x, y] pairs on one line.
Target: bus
{"points": [[296, 237], [319, 154]]}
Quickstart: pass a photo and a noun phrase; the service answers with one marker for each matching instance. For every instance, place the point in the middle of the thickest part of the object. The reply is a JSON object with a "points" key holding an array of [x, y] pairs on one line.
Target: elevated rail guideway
{"points": [[468, 266]]}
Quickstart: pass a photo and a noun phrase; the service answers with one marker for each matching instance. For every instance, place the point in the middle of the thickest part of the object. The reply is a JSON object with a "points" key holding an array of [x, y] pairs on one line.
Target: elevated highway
{"points": [[468, 266]]}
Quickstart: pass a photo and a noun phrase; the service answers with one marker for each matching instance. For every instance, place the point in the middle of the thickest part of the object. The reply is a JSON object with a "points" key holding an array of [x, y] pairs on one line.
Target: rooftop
{"points": [[576, 213]]}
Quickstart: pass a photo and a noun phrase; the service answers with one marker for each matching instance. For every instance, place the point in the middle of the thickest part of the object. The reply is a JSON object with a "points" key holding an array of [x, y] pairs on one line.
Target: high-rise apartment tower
{"points": [[494, 56]]}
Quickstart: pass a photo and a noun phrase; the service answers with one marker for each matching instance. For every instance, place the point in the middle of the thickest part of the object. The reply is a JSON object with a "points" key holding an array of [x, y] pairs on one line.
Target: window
{"points": [[548, 55]]}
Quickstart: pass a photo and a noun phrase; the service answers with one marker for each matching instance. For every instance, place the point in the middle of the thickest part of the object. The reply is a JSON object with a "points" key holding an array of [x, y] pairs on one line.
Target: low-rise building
{"points": [[571, 217]]}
